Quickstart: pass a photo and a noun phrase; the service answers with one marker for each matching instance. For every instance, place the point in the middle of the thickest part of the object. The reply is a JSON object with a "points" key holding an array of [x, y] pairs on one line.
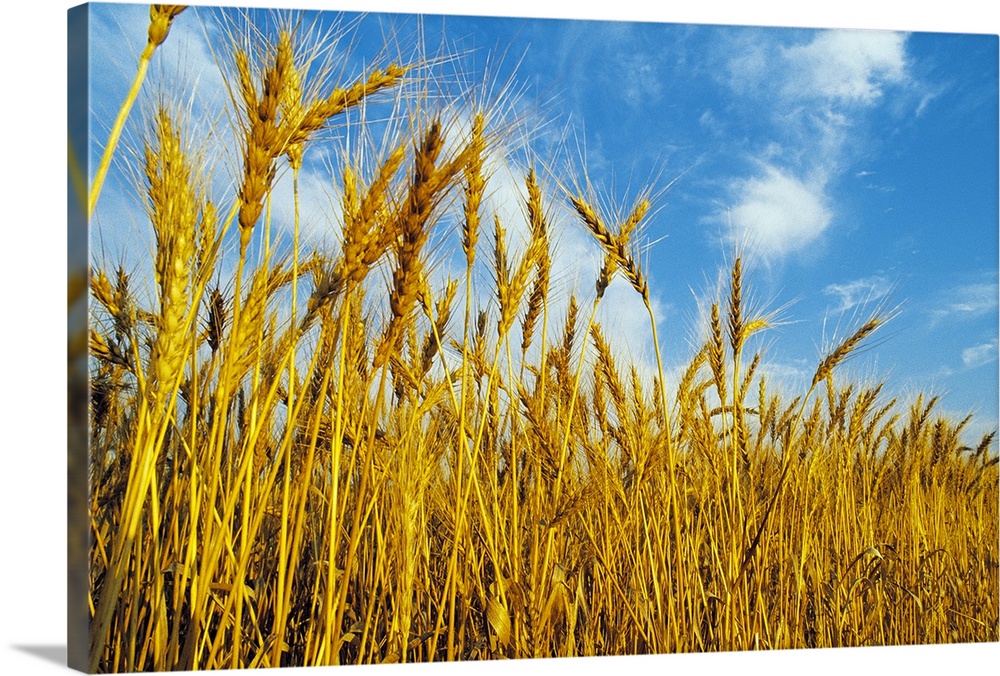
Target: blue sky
{"points": [[855, 170]]}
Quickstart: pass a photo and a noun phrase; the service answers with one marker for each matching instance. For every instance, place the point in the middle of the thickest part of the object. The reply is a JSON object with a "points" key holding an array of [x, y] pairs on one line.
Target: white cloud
{"points": [[847, 67], [838, 67], [778, 213], [978, 355], [858, 292]]}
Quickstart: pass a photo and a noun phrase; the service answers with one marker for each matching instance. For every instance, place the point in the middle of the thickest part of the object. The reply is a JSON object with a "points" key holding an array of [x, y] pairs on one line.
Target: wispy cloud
{"points": [[967, 301], [811, 97], [851, 294], [980, 355], [640, 78]]}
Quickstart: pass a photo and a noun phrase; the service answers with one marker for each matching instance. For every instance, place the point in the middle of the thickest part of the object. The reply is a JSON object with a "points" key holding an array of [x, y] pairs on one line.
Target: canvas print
{"points": [[415, 338]]}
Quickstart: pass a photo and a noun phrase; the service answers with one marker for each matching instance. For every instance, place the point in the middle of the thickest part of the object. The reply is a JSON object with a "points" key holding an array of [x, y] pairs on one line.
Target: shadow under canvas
{"points": [[50, 653]]}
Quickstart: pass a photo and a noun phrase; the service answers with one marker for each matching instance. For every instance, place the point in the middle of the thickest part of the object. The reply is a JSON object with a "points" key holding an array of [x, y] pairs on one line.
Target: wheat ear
{"points": [[845, 348]]}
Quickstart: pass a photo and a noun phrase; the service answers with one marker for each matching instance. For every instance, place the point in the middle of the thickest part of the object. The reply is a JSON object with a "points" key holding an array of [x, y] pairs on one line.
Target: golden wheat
{"points": [[376, 475]]}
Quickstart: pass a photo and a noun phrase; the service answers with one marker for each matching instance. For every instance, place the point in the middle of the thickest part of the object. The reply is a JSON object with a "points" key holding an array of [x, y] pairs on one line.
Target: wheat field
{"points": [[342, 456]]}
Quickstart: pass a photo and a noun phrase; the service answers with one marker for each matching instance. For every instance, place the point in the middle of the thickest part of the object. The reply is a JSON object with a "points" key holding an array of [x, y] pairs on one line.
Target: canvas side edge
{"points": [[78, 528]]}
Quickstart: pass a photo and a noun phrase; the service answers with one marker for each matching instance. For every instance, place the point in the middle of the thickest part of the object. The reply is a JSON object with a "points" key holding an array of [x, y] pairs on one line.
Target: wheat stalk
{"points": [[160, 19]]}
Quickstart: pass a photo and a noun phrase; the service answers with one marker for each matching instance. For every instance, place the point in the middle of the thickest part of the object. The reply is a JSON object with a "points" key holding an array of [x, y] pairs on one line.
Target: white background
{"points": [[33, 328]]}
